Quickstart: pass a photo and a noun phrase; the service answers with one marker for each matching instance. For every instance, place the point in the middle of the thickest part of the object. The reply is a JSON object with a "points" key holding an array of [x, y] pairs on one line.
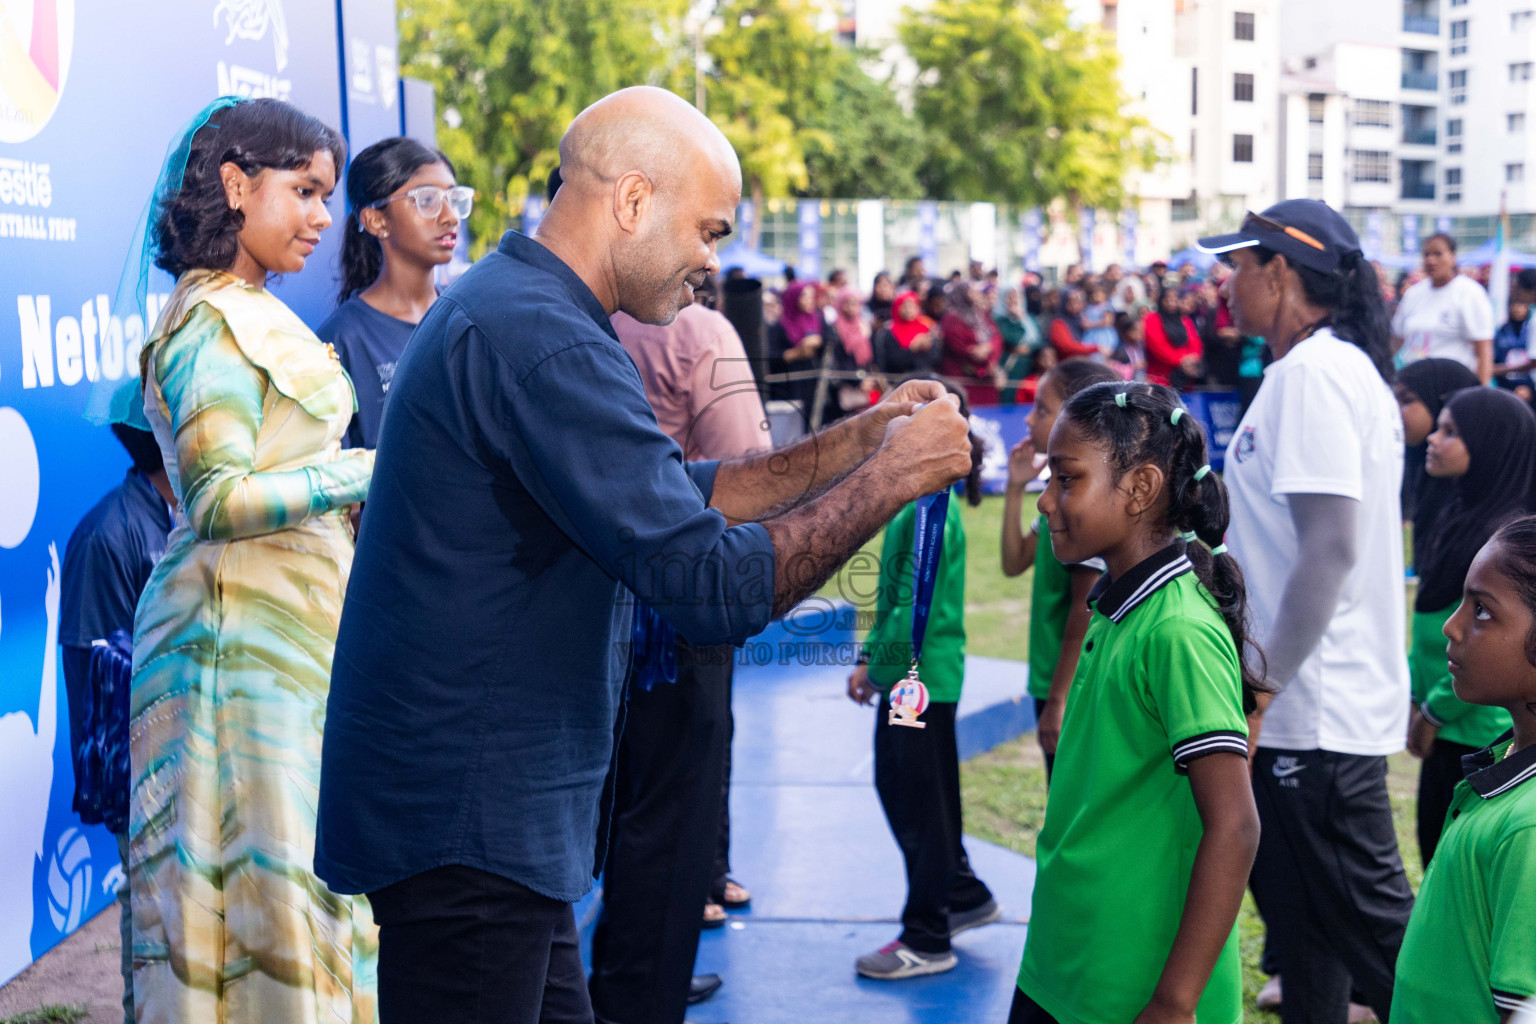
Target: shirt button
{"points": [[1088, 646]]}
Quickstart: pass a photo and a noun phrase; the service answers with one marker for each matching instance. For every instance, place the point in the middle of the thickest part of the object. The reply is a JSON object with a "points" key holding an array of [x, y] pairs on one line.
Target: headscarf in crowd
{"points": [[1073, 321], [850, 327], [1173, 323], [1499, 431], [963, 304], [905, 331], [1014, 327], [1431, 381], [796, 322], [879, 308]]}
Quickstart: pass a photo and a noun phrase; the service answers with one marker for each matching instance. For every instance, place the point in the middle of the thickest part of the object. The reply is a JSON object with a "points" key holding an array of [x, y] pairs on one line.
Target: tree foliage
{"points": [[1023, 106], [511, 74]]}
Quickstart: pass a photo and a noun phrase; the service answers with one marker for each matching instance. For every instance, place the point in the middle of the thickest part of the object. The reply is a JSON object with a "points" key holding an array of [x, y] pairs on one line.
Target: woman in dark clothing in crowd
{"points": [[1422, 389], [797, 345], [1174, 351], [972, 345], [909, 343], [1067, 329], [881, 297]]}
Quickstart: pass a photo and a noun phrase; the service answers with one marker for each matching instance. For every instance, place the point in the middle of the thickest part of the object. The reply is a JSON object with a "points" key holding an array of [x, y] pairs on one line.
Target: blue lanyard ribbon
{"points": [[932, 512]]}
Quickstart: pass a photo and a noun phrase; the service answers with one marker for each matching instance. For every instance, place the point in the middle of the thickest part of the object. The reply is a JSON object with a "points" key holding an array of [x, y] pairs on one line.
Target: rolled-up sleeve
{"points": [[581, 437]]}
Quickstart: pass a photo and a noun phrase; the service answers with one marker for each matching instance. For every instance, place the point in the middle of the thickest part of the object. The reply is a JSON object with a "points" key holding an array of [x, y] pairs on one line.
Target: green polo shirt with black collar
{"points": [[1158, 685], [1470, 951]]}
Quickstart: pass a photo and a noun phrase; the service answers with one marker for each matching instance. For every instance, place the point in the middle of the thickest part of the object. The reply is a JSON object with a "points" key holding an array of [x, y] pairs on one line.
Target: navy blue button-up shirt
{"points": [[522, 492]]}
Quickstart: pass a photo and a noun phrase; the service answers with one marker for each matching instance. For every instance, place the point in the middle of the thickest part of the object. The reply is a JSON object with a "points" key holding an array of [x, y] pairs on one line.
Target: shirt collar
{"points": [[1116, 598], [1490, 776], [518, 246]]}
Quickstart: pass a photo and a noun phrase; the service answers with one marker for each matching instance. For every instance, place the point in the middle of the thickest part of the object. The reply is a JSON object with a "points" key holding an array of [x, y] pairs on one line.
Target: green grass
{"points": [[1003, 792], [52, 1013]]}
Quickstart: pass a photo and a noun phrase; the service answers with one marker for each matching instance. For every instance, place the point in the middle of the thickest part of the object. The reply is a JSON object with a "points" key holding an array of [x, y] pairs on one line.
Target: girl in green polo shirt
{"points": [[1483, 441], [1151, 828], [1468, 955], [917, 770], [1058, 609]]}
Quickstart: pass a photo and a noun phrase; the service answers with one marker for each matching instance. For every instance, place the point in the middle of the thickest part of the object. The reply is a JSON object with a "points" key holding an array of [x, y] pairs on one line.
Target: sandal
{"points": [[714, 915], [736, 897]]}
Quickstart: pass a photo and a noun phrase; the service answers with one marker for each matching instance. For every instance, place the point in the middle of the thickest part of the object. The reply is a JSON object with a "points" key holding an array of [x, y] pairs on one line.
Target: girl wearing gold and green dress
{"points": [[234, 635]]}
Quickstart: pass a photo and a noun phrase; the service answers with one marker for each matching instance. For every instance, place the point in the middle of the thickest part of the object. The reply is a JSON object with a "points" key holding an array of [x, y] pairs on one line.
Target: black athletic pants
{"points": [[1050, 759], [1026, 1011], [1438, 776], [458, 944], [917, 774], [661, 851], [1328, 880], [722, 868]]}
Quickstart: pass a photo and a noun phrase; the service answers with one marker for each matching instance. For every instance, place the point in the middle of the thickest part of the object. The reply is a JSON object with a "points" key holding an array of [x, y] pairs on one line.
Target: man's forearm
{"points": [[756, 486], [812, 540]]}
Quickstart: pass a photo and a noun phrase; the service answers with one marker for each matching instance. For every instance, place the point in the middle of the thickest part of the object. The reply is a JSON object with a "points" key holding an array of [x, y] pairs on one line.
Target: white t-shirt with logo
{"points": [[1324, 422], [1443, 322]]}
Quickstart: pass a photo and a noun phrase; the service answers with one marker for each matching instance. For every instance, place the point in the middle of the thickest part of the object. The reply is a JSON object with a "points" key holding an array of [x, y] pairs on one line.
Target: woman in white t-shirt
{"points": [[1313, 473], [1446, 315]]}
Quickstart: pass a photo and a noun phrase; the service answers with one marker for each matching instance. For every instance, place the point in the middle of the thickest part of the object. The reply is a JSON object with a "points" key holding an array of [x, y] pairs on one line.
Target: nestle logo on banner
{"points": [[23, 183], [254, 20], [374, 70]]}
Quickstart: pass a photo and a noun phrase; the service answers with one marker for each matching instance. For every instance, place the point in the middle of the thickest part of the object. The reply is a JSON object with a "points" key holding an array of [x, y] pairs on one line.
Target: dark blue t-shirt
{"points": [[369, 344], [106, 566], [522, 492]]}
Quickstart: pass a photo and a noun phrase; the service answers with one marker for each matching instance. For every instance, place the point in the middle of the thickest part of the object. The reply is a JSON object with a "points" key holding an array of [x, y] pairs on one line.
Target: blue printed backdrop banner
{"points": [[1128, 222], [1000, 427], [810, 239], [1410, 233], [1087, 220], [928, 234], [371, 71], [1030, 224], [86, 114]]}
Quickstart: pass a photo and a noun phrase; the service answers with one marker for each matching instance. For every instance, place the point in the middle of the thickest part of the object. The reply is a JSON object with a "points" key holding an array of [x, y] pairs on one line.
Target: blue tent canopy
{"points": [[754, 263], [1483, 255], [1202, 261]]}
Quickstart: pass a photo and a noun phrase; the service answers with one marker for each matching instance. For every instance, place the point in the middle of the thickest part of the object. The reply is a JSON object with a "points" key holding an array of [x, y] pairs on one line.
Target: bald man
{"points": [[523, 491]]}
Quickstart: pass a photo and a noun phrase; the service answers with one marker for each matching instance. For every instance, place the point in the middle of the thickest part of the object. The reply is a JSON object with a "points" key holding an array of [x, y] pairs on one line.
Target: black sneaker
{"points": [[965, 920]]}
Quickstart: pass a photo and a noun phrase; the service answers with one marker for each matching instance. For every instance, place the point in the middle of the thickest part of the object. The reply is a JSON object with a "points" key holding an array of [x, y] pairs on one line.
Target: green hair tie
{"points": [[1202, 471], [1178, 414], [1189, 536], [1219, 549], [1120, 399]]}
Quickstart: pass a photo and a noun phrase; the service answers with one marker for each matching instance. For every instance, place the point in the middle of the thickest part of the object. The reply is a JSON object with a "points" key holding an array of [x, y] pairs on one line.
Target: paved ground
{"points": [[810, 841], [84, 969]]}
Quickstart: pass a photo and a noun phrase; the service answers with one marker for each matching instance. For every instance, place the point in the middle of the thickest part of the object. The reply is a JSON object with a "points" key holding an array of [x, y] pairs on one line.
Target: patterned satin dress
{"points": [[232, 664]]}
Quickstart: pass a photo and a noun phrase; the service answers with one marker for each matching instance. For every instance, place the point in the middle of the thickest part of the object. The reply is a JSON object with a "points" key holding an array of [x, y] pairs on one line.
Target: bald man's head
{"points": [[654, 184]]}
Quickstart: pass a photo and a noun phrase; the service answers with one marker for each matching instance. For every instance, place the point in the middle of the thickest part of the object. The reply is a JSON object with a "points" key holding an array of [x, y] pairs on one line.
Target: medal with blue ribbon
{"points": [[909, 698]]}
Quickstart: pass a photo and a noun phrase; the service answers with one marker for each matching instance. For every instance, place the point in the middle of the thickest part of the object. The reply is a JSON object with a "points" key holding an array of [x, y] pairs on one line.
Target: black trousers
{"points": [[1026, 1011], [1050, 759], [917, 774], [722, 869], [458, 944], [1328, 880], [1438, 776], [661, 851]]}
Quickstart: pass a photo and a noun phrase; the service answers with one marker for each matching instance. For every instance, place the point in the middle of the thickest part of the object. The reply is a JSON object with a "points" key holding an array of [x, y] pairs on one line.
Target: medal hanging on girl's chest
{"points": [[909, 698]]}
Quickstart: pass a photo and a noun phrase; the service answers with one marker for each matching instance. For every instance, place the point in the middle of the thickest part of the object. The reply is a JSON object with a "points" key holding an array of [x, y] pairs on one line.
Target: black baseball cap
{"points": [[1307, 232]]}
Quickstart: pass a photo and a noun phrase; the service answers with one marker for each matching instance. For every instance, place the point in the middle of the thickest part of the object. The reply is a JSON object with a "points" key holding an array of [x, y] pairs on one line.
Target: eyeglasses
{"points": [[429, 200]]}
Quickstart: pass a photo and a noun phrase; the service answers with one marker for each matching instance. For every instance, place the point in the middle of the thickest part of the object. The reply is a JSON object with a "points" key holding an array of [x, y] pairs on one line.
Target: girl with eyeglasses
{"points": [[405, 210]]}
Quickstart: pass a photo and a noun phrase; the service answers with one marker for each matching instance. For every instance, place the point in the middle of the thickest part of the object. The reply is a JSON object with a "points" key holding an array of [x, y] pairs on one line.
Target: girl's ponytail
{"points": [[362, 257], [1147, 423], [374, 175]]}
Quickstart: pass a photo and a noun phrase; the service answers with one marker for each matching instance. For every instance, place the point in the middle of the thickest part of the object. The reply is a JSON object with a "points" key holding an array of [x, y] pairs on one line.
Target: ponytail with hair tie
{"points": [[1141, 423]]}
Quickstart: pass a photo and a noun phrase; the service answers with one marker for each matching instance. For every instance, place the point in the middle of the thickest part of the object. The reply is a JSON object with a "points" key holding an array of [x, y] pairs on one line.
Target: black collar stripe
{"points": [[1491, 777], [1151, 585]]}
